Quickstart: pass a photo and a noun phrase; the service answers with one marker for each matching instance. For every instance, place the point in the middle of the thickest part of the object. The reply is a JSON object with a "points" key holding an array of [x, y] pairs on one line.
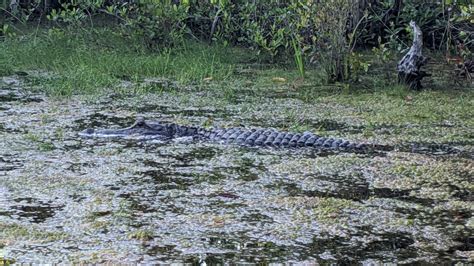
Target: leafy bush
{"points": [[333, 46], [160, 23], [280, 28], [444, 23]]}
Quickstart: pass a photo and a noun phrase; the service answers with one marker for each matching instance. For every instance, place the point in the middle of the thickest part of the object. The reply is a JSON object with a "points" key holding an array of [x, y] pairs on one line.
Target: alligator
{"points": [[144, 130]]}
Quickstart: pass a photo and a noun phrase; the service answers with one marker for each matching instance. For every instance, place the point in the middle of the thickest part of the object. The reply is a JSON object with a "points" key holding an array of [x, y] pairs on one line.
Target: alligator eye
{"points": [[140, 121]]}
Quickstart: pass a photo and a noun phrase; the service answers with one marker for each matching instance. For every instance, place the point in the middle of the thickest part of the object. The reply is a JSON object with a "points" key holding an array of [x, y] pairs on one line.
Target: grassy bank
{"points": [[92, 61]]}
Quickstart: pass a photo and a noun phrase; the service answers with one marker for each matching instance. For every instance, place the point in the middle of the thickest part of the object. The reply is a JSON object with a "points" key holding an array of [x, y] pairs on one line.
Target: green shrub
{"points": [[444, 23], [159, 23]]}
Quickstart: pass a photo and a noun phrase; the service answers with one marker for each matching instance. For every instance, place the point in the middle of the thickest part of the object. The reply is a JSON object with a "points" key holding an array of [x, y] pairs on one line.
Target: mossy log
{"points": [[409, 68]]}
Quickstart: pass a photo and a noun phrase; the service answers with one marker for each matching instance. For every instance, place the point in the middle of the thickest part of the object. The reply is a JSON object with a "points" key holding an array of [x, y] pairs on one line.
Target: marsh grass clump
{"points": [[46, 146], [327, 209], [14, 232], [142, 235], [324, 209], [42, 145]]}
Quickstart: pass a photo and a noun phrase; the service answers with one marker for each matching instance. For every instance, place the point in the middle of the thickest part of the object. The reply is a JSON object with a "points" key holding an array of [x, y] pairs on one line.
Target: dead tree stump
{"points": [[409, 68]]}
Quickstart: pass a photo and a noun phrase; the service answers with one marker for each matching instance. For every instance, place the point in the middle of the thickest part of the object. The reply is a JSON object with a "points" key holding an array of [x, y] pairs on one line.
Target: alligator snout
{"points": [[87, 132]]}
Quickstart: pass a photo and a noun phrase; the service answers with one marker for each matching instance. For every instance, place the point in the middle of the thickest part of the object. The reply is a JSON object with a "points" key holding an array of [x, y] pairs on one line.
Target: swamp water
{"points": [[67, 199]]}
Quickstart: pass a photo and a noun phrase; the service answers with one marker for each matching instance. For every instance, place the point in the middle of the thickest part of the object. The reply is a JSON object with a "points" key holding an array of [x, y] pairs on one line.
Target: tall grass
{"points": [[298, 56], [91, 62]]}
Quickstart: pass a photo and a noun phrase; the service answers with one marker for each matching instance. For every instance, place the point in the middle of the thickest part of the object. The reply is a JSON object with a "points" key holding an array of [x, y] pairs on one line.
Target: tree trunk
{"points": [[409, 68]]}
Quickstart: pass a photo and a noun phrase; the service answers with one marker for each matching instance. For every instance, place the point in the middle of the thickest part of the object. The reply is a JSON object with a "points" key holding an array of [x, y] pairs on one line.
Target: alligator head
{"points": [[139, 130]]}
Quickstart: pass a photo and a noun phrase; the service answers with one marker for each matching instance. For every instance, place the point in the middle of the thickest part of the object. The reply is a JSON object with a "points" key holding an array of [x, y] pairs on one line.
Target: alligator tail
{"points": [[274, 138]]}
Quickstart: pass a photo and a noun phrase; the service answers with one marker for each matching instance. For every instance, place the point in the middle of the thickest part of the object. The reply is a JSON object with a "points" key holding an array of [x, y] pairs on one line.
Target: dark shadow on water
{"points": [[31, 209], [183, 158], [161, 252], [99, 120], [244, 250], [257, 218], [166, 179], [200, 153], [435, 149], [10, 162], [357, 193], [350, 189], [387, 247], [465, 244], [8, 95]]}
